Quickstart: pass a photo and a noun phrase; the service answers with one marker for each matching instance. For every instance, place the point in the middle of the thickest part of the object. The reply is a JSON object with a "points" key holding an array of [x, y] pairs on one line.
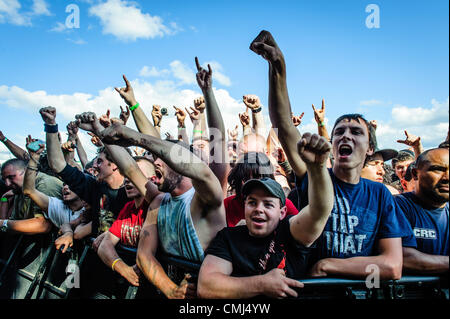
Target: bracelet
{"points": [[4, 140], [51, 128], [257, 110], [3, 199], [33, 169], [114, 263], [321, 124], [134, 107]]}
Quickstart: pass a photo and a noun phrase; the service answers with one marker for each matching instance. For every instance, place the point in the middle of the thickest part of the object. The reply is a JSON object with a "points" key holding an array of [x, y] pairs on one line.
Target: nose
{"points": [[8, 183], [381, 170]]}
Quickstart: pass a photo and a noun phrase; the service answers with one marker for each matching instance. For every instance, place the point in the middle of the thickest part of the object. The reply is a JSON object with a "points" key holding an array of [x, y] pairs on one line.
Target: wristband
{"points": [[33, 169], [321, 124], [257, 110], [50, 128], [114, 263], [3, 199], [198, 131], [4, 141], [134, 107]]}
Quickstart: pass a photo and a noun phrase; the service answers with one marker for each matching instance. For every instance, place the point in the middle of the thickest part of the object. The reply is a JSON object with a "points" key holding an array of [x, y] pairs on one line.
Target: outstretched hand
{"points": [[244, 118], [127, 93], [314, 149], [156, 115], [124, 114], [264, 45], [181, 116], [199, 104], [34, 154], [204, 78], [233, 134], [194, 115]]}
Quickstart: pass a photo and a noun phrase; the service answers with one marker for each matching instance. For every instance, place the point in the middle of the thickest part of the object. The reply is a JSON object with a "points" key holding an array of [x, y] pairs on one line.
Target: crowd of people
{"points": [[259, 213]]}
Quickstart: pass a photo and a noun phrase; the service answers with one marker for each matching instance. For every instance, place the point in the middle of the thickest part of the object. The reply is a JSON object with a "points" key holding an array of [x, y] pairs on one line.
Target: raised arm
{"points": [[417, 262], [197, 117], [108, 254], [150, 266], [55, 155], [181, 116], [142, 122], [17, 151], [219, 162], [309, 223], [319, 116], [253, 103], [244, 118], [72, 130], [279, 105], [29, 189]]}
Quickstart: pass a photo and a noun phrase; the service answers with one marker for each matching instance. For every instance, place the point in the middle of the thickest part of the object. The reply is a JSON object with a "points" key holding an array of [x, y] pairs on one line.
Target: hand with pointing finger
{"points": [[181, 116], [194, 115], [204, 78], [127, 93]]}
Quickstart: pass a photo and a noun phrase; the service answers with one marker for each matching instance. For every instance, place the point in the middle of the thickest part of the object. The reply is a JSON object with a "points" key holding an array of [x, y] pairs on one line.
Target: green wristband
{"points": [[3, 199], [4, 141], [134, 107], [198, 131], [321, 124]]}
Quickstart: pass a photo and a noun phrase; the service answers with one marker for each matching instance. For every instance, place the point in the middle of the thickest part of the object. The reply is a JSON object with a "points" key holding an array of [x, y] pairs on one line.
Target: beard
{"points": [[171, 181]]}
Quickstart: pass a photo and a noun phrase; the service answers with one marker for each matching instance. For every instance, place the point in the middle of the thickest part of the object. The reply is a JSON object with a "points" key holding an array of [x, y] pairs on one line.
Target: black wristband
{"points": [[51, 128], [257, 110]]}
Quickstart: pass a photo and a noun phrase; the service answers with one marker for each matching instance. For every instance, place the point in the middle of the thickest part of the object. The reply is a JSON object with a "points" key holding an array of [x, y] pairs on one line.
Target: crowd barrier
{"points": [[32, 268]]}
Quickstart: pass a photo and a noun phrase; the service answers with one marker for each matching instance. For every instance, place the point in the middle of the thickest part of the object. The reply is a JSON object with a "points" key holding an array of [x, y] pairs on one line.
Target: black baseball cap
{"points": [[269, 184], [387, 154]]}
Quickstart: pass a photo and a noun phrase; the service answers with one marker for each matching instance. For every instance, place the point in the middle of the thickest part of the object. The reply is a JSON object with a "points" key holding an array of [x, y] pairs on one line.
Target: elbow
{"points": [[203, 292], [27, 192]]}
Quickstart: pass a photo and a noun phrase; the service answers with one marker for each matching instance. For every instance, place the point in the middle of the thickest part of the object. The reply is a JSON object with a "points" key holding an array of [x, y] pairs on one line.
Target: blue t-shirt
{"points": [[362, 214], [430, 226]]}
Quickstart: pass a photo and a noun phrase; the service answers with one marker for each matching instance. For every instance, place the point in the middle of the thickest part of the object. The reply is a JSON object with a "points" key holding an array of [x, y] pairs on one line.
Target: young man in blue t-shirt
{"points": [[426, 209], [365, 227]]}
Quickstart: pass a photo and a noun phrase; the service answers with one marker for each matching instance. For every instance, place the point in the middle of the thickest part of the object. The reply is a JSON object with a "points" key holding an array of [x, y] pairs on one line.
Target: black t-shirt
{"points": [[106, 203], [253, 256]]}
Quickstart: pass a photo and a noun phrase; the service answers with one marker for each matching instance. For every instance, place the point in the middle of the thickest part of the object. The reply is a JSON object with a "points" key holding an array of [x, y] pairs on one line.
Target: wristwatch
{"points": [[4, 226]]}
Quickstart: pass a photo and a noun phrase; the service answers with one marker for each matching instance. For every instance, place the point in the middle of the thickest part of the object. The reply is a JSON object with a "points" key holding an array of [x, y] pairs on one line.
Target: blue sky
{"points": [[396, 74]]}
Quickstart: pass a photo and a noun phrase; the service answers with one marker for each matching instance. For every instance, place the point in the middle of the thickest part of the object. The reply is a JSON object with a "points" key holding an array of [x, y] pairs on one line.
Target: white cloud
{"points": [[217, 73], [153, 72], [40, 7], [430, 123], [10, 12], [371, 102], [127, 22], [78, 41], [60, 27], [182, 72]]}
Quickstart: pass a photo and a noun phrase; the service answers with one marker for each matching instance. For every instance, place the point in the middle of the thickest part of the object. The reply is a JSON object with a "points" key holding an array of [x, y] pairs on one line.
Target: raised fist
{"points": [[251, 101], [265, 45], [72, 129], [314, 149], [204, 78], [199, 104], [117, 134], [48, 115], [88, 121]]}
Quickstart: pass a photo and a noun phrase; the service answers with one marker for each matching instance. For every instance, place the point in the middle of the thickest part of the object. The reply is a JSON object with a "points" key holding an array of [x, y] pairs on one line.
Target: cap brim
{"points": [[387, 154]]}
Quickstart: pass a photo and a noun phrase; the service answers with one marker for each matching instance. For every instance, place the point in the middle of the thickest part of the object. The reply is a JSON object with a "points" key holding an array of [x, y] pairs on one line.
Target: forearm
{"points": [[154, 272], [361, 267], [323, 131], [4, 208], [183, 134], [143, 123], [81, 152], [220, 286], [197, 132], [16, 150], [320, 193], [107, 252], [417, 262], [418, 149], [55, 155], [280, 116], [258, 123], [32, 226], [29, 179]]}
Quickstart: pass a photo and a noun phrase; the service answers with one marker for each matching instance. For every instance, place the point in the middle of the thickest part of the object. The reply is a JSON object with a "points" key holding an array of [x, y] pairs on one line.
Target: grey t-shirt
{"points": [[59, 213]]}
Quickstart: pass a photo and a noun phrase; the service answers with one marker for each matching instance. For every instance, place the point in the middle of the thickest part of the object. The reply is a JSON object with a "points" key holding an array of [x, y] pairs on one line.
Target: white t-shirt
{"points": [[59, 213]]}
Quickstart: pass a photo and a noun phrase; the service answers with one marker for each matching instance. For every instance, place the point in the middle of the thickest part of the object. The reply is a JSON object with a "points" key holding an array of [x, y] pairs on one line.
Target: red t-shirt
{"points": [[235, 211], [129, 223]]}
